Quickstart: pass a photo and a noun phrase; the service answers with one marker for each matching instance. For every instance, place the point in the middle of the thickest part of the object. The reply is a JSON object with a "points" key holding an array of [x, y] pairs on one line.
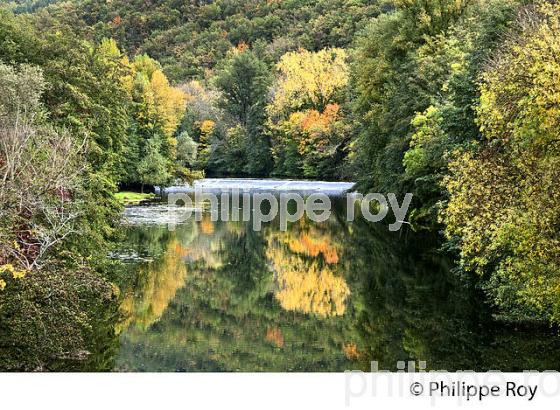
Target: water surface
{"points": [[330, 296]]}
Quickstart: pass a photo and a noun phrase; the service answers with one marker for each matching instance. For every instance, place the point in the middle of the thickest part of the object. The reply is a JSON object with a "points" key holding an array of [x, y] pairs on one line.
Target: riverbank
{"points": [[132, 198]]}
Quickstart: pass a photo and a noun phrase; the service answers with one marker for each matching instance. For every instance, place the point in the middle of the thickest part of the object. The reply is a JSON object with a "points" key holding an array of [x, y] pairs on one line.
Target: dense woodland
{"points": [[456, 101]]}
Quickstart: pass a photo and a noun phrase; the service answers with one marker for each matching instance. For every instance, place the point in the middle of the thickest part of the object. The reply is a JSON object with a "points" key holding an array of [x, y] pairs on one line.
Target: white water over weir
{"points": [[263, 185]]}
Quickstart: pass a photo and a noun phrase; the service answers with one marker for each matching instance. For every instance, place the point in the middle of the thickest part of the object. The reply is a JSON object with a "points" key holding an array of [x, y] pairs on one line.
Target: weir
{"points": [[263, 185]]}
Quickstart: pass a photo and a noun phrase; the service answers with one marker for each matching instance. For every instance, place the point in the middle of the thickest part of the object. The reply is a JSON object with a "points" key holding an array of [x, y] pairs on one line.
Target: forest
{"points": [[455, 101]]}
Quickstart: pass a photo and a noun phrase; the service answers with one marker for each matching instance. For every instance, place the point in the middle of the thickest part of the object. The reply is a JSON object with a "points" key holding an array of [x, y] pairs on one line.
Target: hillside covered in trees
{"points": [[455, 101]]}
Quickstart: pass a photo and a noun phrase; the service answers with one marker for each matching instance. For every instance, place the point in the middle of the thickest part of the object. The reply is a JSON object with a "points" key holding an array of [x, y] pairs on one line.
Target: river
{"points": [[321, 296]]}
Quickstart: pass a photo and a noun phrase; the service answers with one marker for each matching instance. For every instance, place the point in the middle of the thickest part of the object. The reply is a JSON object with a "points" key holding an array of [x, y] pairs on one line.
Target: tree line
{"points": [[454, 101]]}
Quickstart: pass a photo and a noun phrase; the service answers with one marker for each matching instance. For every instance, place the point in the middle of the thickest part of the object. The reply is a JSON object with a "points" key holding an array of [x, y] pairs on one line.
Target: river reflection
{"points": [[330, 296]]}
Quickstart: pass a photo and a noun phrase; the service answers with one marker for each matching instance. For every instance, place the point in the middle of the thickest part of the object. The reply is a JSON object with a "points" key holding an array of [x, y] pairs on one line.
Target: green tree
{"points": [[244, 82], [391, 86], [157, 110], [153, 168], [186, 149], [86, 95], [504, 197], [43, 226], [453, 60]]}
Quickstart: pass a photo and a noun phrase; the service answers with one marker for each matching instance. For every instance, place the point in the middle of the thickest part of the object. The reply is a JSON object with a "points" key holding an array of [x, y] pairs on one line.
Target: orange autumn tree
{"points": [[305, 115]]}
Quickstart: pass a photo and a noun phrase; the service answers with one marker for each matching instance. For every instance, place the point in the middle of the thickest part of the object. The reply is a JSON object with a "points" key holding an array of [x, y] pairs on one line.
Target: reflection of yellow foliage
{"points": [[180, 249], [351, 351], [160, 282], [305, 287], [274, 335]]}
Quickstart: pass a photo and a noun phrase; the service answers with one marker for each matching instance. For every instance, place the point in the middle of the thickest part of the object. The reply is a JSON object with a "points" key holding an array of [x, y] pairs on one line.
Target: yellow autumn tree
{"points": [[117, 61], [309, 80], [304, 114], [169, 103]]}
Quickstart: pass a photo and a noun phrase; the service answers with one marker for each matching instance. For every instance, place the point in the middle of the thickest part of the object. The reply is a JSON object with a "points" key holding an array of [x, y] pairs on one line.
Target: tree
{"points": [[186, 150], [39, 169], [392, 85], [452, 62], [158, 109], [153, 168], [309, 80], [305, 115], [244, 82], [235, 153], [504, 197], [44, 209]]}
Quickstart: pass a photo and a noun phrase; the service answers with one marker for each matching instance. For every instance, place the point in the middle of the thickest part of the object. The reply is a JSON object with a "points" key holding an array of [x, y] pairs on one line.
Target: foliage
{"points": [[305, 119], [187, 149], [40, 173], [243, 83], [152, 168], [449, 122], [58, 319], [192, 38], [66, 115], [84, 95], [393, 82], [157, 110], [51, 297], [309, 80], [503, 195]]}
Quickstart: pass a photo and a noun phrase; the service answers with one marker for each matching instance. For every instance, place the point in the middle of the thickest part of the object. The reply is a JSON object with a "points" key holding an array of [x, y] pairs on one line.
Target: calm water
{"points": [[331, 296]]}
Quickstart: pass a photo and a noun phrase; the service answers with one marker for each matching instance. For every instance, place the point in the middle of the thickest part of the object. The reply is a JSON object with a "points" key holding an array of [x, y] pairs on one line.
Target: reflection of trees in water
{"points": [[158, 284], [409, 305], [318, 297], [306, 281], [226, 316], [304, 261], [306, 287], [312, 242]]}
